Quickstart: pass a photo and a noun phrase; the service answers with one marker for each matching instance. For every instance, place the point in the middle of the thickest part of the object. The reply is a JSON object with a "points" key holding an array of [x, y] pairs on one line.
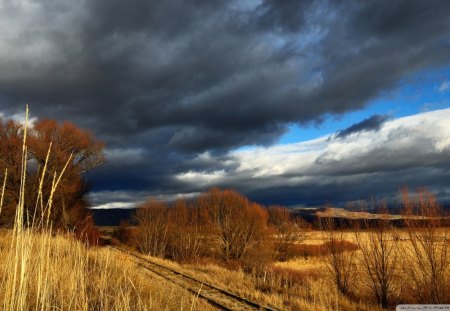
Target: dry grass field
{"points": [[59, 273], [305, 282], [43, 271]]}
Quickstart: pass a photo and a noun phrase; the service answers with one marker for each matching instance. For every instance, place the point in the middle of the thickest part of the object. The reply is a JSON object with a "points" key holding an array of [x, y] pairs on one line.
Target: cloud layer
{"points": [[411, 151], [163, 82]]}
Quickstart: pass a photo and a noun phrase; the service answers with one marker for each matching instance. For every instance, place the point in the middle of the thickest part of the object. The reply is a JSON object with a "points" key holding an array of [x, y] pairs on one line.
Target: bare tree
{"points": [[375, 239], [152, 222], [185, 238], [237, 223], [339, 261], [429, 259], [288, 231]]}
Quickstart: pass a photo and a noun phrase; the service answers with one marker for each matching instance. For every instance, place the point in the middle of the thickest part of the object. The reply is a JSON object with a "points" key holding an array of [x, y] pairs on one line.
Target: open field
{"points": [[60, 272], [302, 287]]}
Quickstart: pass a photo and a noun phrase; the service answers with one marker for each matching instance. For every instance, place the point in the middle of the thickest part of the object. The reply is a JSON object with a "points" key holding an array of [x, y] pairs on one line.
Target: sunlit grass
{"points": [[43, 270]]}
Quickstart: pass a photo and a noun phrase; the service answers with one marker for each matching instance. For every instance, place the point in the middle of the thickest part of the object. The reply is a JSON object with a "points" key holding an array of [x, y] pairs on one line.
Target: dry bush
{"points": [[309, 250], [340, 257], [11, 137], [380, 257], [86, 232], [428, 264], [152, 223], [223, 222], [288, 231], [237, 223], [185, 238], [257, 259], [125, 233]]}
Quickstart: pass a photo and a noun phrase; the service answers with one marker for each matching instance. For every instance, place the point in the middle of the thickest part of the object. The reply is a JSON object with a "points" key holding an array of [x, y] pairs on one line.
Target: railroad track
{"points": [[215, 296]]}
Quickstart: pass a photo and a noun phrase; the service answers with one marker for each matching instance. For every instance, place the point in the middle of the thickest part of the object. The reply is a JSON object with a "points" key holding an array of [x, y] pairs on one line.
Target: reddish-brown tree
{"points": [[237, 223], [67, 142], [11, 136], [185, 232], [153, 228]]}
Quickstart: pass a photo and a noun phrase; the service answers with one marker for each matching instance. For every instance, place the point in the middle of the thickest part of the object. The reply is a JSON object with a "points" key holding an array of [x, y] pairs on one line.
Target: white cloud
{"points": [[19, 117], [116, 205], [202, 178], [130, 199], [406, 143]]}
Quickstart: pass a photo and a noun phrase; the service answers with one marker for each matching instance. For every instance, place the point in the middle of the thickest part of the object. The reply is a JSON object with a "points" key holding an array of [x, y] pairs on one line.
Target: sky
{"points": [[300, 103]]}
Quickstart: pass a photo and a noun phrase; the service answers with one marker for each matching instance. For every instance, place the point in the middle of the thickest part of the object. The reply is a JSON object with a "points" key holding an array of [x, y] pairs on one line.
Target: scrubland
{"points": [[273, 257], [262, 253], [45, 270]]}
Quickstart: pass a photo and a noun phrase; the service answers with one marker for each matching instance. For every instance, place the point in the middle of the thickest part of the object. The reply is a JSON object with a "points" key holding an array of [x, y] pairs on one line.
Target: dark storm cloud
{"points": [[289, 16], [372, 123], [178, 78]]}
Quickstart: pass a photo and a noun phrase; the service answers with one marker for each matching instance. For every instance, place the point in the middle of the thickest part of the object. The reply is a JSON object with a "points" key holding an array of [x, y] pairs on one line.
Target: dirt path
{"points": [[219, 298]]}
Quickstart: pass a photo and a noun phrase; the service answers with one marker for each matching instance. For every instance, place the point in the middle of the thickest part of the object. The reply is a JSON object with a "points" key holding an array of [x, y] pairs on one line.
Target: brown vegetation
{"points": [[288, 231], [152, 236], [51, 149], [237, 223], [61, 273], [339, 260], [427, 265], [41, 270], [380, 257], [185, 226], [360, 262], [183, 230]]}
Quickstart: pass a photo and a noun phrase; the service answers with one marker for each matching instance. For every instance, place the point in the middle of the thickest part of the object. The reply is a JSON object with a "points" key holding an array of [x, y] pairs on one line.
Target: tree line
{"points": [[373, 259], [219, 223]]}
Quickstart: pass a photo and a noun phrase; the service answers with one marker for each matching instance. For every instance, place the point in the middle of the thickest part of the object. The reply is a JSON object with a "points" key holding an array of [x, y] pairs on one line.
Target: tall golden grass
{"points": [[44, 270]]}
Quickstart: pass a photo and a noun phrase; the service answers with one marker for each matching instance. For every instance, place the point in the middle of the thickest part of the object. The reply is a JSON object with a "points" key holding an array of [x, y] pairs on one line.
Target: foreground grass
{"points": [[303, 289], [43, 272], [304, 282], [39, 271]]}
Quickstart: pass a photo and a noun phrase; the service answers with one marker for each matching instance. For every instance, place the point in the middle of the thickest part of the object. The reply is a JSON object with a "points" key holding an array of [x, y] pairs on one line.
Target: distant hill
{"points": [[344, 218], [111, 216]]}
